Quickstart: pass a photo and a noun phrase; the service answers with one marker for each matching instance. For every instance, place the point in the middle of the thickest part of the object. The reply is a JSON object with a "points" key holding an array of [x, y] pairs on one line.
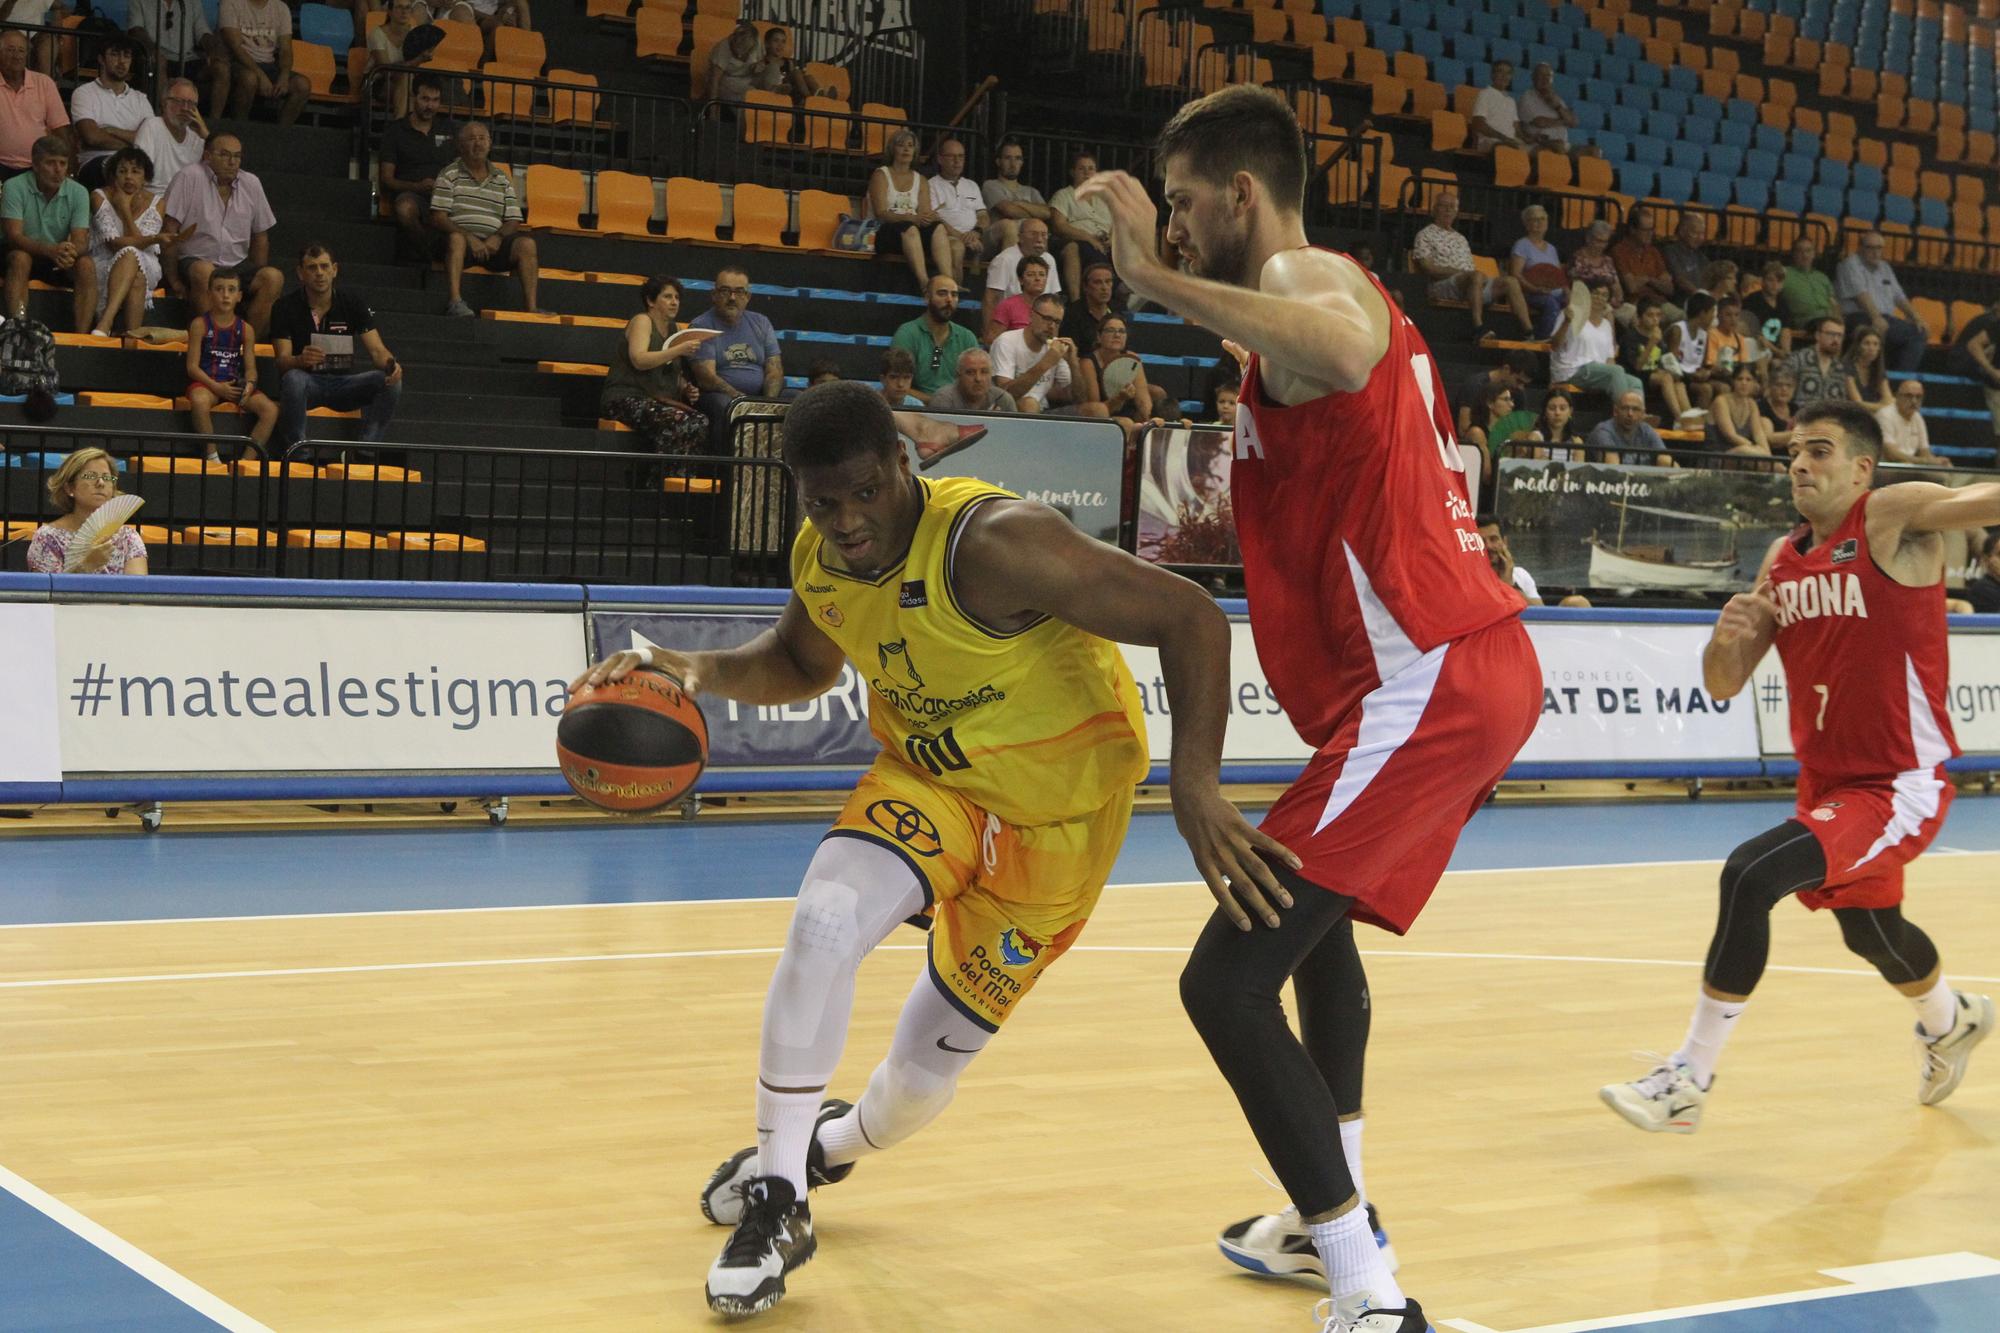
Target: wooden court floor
{"points": [[499, 1120]]}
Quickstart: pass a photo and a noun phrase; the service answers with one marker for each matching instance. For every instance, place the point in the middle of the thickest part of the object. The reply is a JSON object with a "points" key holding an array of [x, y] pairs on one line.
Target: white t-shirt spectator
{"points": [[1001, 275], [1012, 356], [1498, 110], [1584, 344], [1526, 583], [1908, 436], [31, 11], [156, 141], [957, 202], [1534, 107], [258, 25], [112, 111], [176, 27]]}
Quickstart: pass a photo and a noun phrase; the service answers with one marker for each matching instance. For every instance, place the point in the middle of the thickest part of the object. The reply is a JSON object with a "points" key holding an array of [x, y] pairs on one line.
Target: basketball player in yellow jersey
{"points": [[1011, 743]]}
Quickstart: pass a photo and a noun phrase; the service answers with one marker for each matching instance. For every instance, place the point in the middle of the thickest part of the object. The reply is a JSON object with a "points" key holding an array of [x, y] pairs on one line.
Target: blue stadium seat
{"points": [[1933, 213], [1601, 91], [1469, 46], [1708, 108], [1983, 116], [1635, 179], [1738, 109], [1556, 37], [1428, 44], [1761, 164], [324, 25], [1648, 75], [1489, 26], [1683, 80], [1688, 156], [1387, 37], [115, 10], [1578, 64], [1628, 48], [1593, 41], [1614, 69], [1671, 103], [1340, 9], [1479, 74], [1615, 146], [1727, 159], [1589, 116], [1569, 16], [1450, 73], [1625, 120], [1865, 205], [1696, 130], [1897, 209], [1639, 99], [1827, 199], [1712, 189], [1789, 196], [1733, 133], [1753, 194], [1378, 11], [1649, 152], [1799, 168], [1864, 177], [1769, 139], [1805, 141], [1571, 91], [1833, 173], [1676, 183]]}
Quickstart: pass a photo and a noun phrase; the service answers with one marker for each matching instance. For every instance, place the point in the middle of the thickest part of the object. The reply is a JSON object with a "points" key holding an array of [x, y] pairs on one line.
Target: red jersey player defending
{"points": [[1394, 651], [1854, 599]]}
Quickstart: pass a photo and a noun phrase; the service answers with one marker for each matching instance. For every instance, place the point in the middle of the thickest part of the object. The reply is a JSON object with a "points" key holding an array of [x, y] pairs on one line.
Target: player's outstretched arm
{"points": [[789, 662], [1017, 559], [1743, 633], [1925, 506]]}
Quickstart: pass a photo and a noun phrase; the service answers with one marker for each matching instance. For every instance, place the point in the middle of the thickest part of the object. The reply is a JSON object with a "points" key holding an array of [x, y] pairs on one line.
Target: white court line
{"points": [[773, 898], [145, 1265]]}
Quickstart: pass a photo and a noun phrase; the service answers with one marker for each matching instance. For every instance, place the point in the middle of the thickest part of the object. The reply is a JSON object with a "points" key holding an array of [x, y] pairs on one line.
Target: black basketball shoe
{"points": [[774, 1237], [721, 1197]]}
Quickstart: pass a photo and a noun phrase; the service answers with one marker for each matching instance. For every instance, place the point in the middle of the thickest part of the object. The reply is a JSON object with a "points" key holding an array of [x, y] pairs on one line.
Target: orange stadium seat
{"points": [[1409, 67], [567, 106], [833, 80], [1387, 96], [659, 32], [1367, 64], [707, 31], [819, 216], [771, 122], [874, 130], [624, 203], [1329, 60], [761, 214], [554, 197], [1510, 167], [1448, 131], [694, 209], [316, 63], [520, 48]]}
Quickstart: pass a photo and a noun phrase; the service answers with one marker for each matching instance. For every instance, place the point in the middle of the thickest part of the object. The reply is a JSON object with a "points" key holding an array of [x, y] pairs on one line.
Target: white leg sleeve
{"points": [[933, 1045]]}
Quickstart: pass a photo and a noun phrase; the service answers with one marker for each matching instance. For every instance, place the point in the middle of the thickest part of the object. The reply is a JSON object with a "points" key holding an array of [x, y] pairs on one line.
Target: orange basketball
{"points": [[632, 746]]}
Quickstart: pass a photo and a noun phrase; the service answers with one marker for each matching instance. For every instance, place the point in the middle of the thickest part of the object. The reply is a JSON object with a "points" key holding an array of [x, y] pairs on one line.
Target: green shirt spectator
{"points": [[49, 220], [1807, 293]]}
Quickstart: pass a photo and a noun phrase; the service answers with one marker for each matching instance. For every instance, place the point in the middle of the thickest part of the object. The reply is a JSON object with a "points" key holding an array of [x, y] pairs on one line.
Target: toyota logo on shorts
{"points": [[907, 825]]}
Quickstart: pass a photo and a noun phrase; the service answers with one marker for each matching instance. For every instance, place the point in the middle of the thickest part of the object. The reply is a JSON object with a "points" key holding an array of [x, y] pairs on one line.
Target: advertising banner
{"points": [[1972, 697], [1071, 464], [1633, 692], [1185, 517], [28, 736]]}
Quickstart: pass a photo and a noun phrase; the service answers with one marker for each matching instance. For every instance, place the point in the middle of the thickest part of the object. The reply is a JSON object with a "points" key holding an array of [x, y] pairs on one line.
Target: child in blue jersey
{"points": [[222, 365]]}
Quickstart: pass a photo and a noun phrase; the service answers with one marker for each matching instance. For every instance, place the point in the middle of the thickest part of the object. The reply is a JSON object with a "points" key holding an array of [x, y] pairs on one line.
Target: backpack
{"points": [[27, 357], [855, 234]]}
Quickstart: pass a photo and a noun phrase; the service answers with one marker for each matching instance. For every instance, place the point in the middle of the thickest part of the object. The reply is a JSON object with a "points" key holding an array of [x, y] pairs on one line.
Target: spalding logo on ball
{"points": [[632, 746]]}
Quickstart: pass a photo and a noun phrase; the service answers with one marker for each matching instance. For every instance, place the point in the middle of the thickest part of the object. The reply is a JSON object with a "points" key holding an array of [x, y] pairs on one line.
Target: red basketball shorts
{"points": [[1869, 831]]}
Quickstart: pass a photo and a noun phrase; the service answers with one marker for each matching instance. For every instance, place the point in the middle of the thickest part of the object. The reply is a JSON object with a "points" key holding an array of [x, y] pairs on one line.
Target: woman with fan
{"points": [[1112, 375], [89, 536]]}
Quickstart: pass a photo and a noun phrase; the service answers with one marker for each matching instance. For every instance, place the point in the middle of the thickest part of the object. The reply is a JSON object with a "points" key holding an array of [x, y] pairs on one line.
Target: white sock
{"points": [[1937, 1010], [1708, 1029], [784, 1132], [1350, 1148], [1347, 1247]]}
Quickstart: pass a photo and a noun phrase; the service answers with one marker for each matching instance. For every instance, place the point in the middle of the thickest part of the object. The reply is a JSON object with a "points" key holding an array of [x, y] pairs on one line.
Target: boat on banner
{"points": [[1693, 561]]}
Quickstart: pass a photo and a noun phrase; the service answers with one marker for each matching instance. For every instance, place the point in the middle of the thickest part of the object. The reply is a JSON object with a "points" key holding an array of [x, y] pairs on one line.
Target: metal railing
{"points": [[807, 146], [1045, 156], [883, 64]]}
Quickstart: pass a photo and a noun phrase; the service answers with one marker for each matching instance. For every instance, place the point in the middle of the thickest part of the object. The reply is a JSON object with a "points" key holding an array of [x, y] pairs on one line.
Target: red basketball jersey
{"points": [[1360, 549], [1865, 659]]}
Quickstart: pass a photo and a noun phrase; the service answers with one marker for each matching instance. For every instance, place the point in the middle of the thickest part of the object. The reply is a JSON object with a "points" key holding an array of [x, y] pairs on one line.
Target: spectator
{"points": [[1718, 278], [1114, 376], [934, 339], [1484, 431], [1501, 558], [1443, 254], [972, 389], [39, 13], [1520, 369], [1219, 407], [1585, 348], [1545, 119], [1870, 294], [222, 366], [1905, 437], [258, 34], [1727, 347], [46, 218], [733, 62], [1011, 203], [125, 242], [1082, 227], [744, 358], [414, 152], [489, 15], [386, 47], [177, 41], [1642, 269], [218, 217], [1687, 360], [1015, 311], [1038, 367], [899, 370], [777, 72], [1807, 294], [107, 112], [78, 489], [1780, 392], [1866, 379], [1003, 276], [478, 209], [1735, 421], [30, 107], [1764, 309], [1818, 368], [960, 207], [1083, 317], [1625, 432], [1495, 118], [818, 373], [1976, 355], [1592, 263], [645, 386], [1537, 266], [175, 139], [317, 335], [1685, 257], [900, 201], [1984, 592], [1642, 351], [1556, 427]]}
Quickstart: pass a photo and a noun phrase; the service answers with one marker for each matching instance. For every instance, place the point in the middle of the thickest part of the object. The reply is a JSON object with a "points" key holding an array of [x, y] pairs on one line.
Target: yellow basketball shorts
{"points": [[1004, 901]]}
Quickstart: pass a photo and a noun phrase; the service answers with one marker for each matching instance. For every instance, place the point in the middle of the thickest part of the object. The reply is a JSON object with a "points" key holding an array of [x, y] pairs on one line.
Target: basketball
{"points": [[632, 746]]}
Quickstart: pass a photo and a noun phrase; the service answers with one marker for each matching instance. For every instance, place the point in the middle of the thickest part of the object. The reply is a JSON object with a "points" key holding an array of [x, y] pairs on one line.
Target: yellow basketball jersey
{"points": [[1035, 726]]}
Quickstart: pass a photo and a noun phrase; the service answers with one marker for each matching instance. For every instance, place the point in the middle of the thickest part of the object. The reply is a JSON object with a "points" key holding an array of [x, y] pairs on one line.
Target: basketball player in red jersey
{"points": [[1394, 651], [1854, 600]]}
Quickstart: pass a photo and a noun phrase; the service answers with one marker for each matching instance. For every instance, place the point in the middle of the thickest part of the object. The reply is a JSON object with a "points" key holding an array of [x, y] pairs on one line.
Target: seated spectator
{"points": [[777, 72], [125, 242], [1592, 263], [1764, 309], [1807, 294], [1719, 278], [1642, 269], [34, 107], [899, 199], [385, 43], [973, 389], [1641, 349], [176, 39], [1082, 226], [1686, 259], [1536, 264], [1501, 558], [1976, 355], [1218, 408], [1584, 351], [1083, 317], [1015, 311], [818, 373], [1003, 277], [1905, 437], [1625, 432], [743, 360], [38, 13], [1749, 347], [1687, 361], [1545, 119], [107, 112], [934, 339], [1113, 375], [1871, 295], [1010, 203], [1817, 367], [258, 34], [1038, 367], [478, 209], [1780, 390], [1735, 419], [1496, 421], [175, 139], [222, 366], [414, 151], [1556, 427], [78, 489], [489, 15], [899, 370], [46, 219], [960, 207], [733, 62], [1442, 253], [1865, 378], [1728, 348], [217, 217], [1495, 118], [317, 336], [646, 386], [1516, 373], [1984, 592]]}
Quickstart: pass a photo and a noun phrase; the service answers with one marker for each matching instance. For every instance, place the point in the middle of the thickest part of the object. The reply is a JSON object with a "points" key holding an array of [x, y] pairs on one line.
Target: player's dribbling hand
{"points": [[1135, 225], [1748, 615], [1230, 855], [622, 664]]}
